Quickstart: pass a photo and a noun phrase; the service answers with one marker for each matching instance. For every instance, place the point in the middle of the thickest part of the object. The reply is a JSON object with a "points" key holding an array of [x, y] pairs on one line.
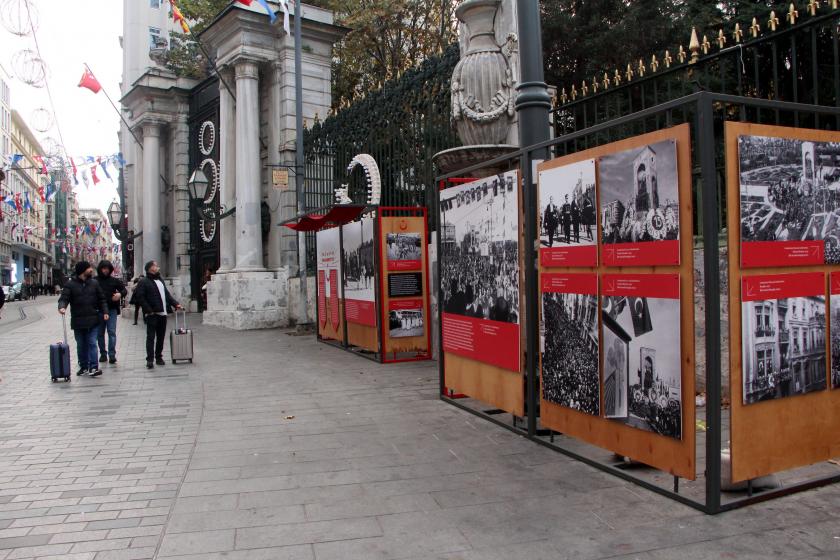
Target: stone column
{"points": [[179, 269], [227, 169], [151, 192], [137, 208], [249, 253]]}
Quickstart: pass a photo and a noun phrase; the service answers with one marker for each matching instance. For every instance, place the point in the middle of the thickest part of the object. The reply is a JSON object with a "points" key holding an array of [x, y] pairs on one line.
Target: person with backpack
{"points": [[114, 290], [157, 303], [86, 300]]}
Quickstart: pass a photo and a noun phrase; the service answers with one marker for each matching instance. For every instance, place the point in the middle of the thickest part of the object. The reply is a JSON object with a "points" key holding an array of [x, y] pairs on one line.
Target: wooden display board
{"points": [[675, 456], [404, 221], [774, 435], [496, 386]]}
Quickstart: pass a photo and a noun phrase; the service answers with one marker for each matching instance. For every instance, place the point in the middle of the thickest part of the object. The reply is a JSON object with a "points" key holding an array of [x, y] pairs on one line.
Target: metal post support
{"points": [[705, 145], [300, 165], [533, 105], [441, 359]]}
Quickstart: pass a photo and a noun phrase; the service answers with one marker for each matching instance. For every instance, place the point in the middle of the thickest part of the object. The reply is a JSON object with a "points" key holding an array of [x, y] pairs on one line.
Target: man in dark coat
{"points": [[87, 308], [550, 220], [114, 290], [566, 219], [157, 303]]}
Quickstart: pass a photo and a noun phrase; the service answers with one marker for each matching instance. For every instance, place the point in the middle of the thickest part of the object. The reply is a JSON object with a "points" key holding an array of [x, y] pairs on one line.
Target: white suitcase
{"points": [[181, 340]]}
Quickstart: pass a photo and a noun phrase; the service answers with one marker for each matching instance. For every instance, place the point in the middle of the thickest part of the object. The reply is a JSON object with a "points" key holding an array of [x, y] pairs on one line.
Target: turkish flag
{"points": [[89, 81], [246, 2]]}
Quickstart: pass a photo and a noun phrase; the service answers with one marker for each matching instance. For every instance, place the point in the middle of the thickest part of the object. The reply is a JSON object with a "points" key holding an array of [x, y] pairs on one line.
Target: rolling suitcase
{"points": [[181, 340], [60, 357]]}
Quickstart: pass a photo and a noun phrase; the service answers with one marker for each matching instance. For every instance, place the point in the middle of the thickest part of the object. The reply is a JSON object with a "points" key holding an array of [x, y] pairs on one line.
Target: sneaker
{"points": [[112, 360], [95, 373], [82, 371], [150, 365], [103, 358], [160, 362]]}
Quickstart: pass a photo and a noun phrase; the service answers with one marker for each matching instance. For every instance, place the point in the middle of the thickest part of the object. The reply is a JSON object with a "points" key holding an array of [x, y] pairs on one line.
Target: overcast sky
{"points": [[71, 33]]}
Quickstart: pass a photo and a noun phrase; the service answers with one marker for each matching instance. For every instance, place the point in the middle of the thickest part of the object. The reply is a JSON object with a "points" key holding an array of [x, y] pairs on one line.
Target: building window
{"points": [[154, 4], [155, 39]]}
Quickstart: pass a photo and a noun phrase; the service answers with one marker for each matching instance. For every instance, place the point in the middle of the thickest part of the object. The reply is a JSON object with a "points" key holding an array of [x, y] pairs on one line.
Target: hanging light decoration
{"points": [[41, 119], [19, 17], [29, 68]]}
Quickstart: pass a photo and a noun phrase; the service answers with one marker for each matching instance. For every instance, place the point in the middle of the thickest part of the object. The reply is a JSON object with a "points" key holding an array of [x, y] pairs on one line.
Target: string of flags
{"points": [[86, 167]]}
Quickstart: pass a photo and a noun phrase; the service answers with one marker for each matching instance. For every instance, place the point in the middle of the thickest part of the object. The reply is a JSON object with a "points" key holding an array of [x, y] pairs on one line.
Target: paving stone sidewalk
{"points": [[272, 447]]}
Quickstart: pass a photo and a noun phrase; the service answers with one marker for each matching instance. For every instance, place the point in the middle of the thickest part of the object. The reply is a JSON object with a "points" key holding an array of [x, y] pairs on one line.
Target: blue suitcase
{"points": [[60, 357]]}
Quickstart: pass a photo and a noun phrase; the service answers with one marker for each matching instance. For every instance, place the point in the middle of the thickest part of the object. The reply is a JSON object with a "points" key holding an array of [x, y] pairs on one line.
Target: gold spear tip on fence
{"points": [[563, 97], [737, 34], [755, 28], [629, 73], [594, 84], [706, 45], [584, 88], [606, 81], [654, 64], [617, 77], [774, 21], [813, 6], [721, 38], [681, 54], [792, 14], [667, 59], [693, 46], [641, 70]]}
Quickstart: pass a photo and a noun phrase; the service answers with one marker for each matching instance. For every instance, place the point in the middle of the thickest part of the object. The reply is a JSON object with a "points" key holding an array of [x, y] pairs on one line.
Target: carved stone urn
{"points": [[483, 92]]}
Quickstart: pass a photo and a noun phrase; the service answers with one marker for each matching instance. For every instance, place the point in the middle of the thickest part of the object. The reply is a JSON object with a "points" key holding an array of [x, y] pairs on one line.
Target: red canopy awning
{"points": [[318, 220]]}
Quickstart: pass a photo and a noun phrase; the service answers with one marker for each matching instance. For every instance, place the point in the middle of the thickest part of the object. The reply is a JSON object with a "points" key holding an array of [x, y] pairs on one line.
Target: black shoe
{"points": [[82, 371], [103, 358], [160, 362], [150, 365], [112, 360], [96, 373], [135, 322]]}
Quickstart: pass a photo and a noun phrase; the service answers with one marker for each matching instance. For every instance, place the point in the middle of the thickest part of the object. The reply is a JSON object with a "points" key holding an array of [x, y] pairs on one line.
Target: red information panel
{"points": [[664, 286], [835, 283], [403, 265], [322, 298], [334, 298], [781, 286], [569, 256], [360, 312], [570, 283], [491, 342], [405, 304], [782, 253], [642, 254]]}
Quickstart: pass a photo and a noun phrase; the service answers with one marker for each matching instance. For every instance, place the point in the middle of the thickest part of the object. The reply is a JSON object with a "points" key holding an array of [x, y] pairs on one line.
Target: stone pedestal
{"points": [[247, 300]]}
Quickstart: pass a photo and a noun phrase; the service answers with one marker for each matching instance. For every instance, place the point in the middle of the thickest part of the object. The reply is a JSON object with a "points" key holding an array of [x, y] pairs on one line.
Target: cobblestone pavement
{"points": [[276, 447]]}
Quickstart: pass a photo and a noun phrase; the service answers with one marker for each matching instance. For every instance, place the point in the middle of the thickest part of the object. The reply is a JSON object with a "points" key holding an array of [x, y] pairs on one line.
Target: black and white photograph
{"points": [[835, 340], [567, 205], [406, 323], [616, 361], [783, 347], [570, 374], [403, 246], [646, 332], [359, 260], [640, 194], [790, 191], [480, 249]]}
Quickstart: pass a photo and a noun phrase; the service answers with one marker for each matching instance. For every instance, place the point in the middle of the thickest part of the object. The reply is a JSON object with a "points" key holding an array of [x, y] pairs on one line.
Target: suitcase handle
{"points": [[179, 312], [64, 327]]}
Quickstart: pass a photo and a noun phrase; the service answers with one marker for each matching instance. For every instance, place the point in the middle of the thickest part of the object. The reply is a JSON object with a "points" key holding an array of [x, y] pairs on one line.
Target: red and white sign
{"points": [[490, 342], [782, 286], [322, 298], [334, 312], [642, 254], [835, 283], [664, 286], [569, 283], [360, 312], [782, 253], [329, 265], [405, 304]]}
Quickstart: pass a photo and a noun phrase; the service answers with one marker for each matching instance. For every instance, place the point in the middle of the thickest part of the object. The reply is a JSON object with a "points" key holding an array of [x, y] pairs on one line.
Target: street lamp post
{"points": [[116, 215]]}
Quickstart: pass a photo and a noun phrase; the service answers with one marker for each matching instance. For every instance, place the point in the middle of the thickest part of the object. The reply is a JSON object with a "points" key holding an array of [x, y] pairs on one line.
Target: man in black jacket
{"points": [[114, 290], [2, 298], [157, 302], [87, 308]]}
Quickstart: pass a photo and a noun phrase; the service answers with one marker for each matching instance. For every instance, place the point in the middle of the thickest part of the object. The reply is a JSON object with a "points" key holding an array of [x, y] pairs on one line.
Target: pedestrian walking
{"points": [[2, 300], [133, 299], [87, 308], [157, 303], [114, 291]]}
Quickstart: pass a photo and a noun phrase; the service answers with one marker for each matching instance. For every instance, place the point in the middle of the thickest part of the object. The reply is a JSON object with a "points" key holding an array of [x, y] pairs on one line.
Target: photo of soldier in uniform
{"points": [[406, 323], [480, 249], [644, 333], [403, 246], [567, 205], [640, 194], [570, 357], [359, 260], [783, 347], [790, 191]]}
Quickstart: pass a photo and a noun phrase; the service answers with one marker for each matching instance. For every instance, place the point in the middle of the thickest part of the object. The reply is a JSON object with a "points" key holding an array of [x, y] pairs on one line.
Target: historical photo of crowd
{"points": [[480, 249], [783, 347], [359, 261], [567, 205], [406, 323], [642, 367], [570, 374], [835, 341], [640, 194], [790, 191], [403, 246]]}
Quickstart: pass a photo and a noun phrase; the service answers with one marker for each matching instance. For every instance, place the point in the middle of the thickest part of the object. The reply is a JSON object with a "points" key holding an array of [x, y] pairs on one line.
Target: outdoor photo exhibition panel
{"points": [[481, 279], [617, 344], [782, 189], [406, 330], [359, 264], [330, 304]]}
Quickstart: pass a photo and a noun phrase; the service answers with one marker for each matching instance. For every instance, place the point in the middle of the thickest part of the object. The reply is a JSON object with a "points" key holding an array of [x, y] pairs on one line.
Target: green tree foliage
{"points": [[584, 38]]}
